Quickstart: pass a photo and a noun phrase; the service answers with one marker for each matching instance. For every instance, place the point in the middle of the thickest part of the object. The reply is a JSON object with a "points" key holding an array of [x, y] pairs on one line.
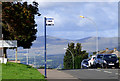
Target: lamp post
{"points": [[26, 58], [34, 61], [27, 55], [96, 31], [72, 56]]}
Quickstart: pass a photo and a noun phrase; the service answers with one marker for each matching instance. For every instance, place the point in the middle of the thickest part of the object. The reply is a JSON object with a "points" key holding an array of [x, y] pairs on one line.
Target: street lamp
{"points": [[72, 56], [96, 31], [27, 56]]}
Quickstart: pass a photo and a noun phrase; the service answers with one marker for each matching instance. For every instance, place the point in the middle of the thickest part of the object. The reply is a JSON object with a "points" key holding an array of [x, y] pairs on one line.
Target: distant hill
{"points": [[56, 45], [103, 42], [39, 42], [56, 51]]}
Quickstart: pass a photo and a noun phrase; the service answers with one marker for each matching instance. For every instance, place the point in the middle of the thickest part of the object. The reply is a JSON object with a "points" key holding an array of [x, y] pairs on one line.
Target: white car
{"points": [[91, 60], [84, 64]]}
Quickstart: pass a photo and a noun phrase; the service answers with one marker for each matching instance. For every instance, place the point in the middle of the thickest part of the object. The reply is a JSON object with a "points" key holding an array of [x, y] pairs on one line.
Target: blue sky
{"points": [[69, 25]]}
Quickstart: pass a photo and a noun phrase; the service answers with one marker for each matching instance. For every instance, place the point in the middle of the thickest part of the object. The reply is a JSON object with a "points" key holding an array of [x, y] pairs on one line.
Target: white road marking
{"points": [[98, 70], [91, 69], [107, 72], [116, 73]]}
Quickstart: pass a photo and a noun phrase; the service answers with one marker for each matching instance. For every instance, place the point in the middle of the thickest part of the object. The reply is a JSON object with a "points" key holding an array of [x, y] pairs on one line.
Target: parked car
{"points": [[91, 60], [84, 64], [110, 60], [98, 60]]}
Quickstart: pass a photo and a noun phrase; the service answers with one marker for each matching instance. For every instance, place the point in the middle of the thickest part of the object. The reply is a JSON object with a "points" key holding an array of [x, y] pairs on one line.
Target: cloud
{"points": [[69, 25], [74, 0]]}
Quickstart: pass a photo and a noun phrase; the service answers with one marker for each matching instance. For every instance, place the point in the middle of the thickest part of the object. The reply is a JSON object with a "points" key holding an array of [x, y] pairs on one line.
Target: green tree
{"points": [[18, 22], [78, 60], [79, 55], [94, 53], [68, 61]]}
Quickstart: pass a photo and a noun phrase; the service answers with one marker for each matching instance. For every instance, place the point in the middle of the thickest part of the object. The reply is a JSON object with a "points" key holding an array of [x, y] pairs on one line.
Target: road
{"points": [[82, 75], [107, 74]]}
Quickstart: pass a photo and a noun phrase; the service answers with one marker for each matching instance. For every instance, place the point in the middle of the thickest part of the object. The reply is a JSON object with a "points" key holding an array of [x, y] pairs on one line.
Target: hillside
{"points": [[88, 44], [20, 71], [57, 45]]}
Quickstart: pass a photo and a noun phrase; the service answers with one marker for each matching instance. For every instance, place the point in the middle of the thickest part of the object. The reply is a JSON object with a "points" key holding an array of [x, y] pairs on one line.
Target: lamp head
{"points": [[82, 16], [65, 48]]}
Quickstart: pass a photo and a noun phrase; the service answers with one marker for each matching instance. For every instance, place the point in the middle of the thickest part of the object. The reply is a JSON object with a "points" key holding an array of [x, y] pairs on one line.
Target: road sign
{"points": [[8, 43], [49, 21]]}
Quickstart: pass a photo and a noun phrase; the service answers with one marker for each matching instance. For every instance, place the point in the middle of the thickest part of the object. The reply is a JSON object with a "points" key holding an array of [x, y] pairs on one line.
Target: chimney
{"points": [[115, 49], [107, 49]]}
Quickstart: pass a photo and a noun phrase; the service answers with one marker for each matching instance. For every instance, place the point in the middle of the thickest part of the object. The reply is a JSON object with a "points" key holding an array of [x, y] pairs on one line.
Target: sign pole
{"points": [[16, 55], [47, 22], [45, 49]]}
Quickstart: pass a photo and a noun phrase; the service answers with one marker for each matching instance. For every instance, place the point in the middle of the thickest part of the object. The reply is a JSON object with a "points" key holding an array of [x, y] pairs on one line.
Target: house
{"points": [[107, 51]]}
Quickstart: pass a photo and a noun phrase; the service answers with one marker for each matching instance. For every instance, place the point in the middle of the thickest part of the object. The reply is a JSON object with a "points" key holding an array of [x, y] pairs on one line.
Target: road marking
{"points": [[107, 72], [98, 70], [116, 73], [91, 69]]}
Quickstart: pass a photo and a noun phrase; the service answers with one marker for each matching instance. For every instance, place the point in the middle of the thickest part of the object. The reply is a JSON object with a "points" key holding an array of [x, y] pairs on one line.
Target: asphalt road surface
{"points": [[95, 74]]}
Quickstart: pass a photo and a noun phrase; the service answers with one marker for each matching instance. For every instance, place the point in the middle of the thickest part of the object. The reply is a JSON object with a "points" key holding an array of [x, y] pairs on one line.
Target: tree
{"points": [[94, 53], [68, 61], [79, 55], [18, 22]]}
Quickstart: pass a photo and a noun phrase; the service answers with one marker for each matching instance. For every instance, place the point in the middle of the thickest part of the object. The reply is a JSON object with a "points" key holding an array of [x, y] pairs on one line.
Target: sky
{"points": [[68, 24]]}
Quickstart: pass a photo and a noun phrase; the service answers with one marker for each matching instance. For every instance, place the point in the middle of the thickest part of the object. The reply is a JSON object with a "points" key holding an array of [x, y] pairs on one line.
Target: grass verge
{"points": [[20, 71]]}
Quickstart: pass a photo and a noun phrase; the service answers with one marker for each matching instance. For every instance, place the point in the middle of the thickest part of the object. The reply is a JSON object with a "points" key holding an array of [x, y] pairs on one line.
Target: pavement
{"points": [[56, 75], [82, 75]]}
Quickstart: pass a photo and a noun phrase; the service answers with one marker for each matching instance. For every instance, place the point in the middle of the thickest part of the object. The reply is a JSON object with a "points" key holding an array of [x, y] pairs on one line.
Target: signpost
{"points": [[48, 21]]}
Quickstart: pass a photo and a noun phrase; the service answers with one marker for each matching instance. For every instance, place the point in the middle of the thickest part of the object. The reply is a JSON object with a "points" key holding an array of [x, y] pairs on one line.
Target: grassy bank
{"points": [[20, 71]]}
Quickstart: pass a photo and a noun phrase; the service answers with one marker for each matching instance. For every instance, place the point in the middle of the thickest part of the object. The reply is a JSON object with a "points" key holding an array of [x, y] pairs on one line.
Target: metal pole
{"points": [[96, 39], [96, 32], [27, 56], [34, 61], [45, 48], [2, 49], [72, 57], [16, 56]]}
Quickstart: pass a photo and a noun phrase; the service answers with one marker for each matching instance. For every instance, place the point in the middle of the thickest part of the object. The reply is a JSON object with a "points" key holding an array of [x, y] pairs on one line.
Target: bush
{"points": [[41, 67], [29, 66]]}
